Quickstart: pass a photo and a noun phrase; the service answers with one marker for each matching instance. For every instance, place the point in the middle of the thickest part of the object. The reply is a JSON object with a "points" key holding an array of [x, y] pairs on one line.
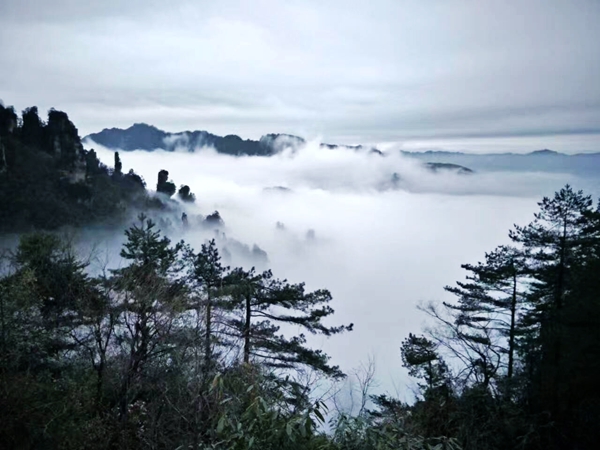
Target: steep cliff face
{"points": [[47, 179], [8, 123], [64, 143], [3, 163], [63, 138]]}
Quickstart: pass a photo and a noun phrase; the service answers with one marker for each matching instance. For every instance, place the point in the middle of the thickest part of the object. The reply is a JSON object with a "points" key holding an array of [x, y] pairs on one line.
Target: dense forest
{"points": [[175, 350]]}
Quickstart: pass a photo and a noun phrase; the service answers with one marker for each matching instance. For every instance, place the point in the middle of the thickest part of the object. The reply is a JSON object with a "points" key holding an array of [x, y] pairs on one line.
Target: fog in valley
{"points": [[340, 219]]}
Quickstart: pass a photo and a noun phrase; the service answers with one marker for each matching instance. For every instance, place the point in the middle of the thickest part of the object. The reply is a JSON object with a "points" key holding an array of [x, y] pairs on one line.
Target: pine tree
{"points": [[207, 276], [263, 303], [151, 294], [556, 244], [420, 357], [489, 307]]}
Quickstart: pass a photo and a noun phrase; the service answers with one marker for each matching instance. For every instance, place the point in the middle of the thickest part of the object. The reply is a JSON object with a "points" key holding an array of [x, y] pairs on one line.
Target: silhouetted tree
{"points": [[489, 307], [556, 241], [150, 294], [263, 303]]}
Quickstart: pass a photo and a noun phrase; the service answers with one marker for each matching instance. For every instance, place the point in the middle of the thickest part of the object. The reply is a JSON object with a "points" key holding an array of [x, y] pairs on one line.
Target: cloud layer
{"points": [[379, 251]]}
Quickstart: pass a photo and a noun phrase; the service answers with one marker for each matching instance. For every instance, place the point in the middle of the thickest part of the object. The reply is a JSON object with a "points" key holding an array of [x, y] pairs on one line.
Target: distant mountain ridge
{"points": [[141, 136], [583, 164]]}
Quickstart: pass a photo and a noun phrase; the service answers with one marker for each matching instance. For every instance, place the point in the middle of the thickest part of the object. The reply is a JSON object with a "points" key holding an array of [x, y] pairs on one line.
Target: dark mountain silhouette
{"points": [[141, 136], [147, 137]]}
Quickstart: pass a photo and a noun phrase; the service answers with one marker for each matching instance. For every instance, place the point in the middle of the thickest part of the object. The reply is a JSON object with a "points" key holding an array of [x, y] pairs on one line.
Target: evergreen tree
{"points": [[489, 307], [420, 357], [151, 293], [263, 303], [60, 283], [556, 243], [207, 278]]}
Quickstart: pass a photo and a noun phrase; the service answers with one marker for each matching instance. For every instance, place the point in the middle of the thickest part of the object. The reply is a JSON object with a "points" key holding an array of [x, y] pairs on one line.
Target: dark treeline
{"points": [[522, 340], [174, 350]]}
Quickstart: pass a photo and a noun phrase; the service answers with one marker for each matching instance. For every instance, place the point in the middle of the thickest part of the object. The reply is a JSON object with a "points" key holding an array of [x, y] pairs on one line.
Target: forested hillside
{"points": [[48, 180], [174, 350]]}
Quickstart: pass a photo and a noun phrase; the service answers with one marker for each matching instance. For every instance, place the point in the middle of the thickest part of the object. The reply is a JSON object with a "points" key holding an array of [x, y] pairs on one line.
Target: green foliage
{"points": [[175, 350], [363, 433], [420, 356], [260, 303], [47, 180], [253, 414], [524, 338], [120, 360]]}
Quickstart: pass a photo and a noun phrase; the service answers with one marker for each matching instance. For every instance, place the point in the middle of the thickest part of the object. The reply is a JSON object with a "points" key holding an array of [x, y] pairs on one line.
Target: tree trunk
{"points": [[207, 335], [247, 330], [511, 336]]}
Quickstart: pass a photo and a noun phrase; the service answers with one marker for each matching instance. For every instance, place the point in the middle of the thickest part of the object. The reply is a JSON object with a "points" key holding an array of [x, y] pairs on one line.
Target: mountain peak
{"points": [[141, 125], [544, 151]]}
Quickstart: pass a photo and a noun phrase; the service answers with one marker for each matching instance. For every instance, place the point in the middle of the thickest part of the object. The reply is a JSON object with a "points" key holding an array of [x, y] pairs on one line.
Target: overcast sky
{"points": [[420, 74]]}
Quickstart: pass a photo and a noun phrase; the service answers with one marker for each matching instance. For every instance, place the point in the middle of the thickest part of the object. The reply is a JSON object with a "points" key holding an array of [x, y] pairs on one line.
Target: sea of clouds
{"points": [[340, 219]]}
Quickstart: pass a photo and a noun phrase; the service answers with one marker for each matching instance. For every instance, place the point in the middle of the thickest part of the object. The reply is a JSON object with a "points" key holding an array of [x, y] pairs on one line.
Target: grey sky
{"points": [[407, 72]]}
